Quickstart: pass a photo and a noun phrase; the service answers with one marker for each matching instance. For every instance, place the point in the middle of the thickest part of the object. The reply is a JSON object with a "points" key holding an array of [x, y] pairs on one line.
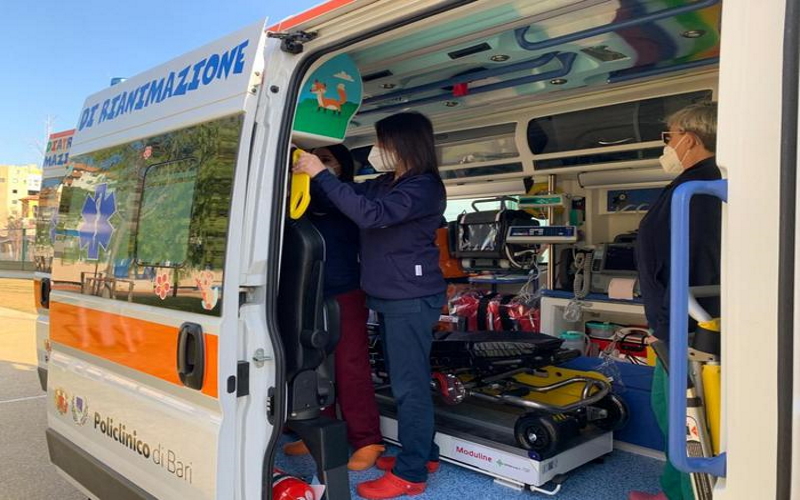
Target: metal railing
{"points": [[16, 249]]}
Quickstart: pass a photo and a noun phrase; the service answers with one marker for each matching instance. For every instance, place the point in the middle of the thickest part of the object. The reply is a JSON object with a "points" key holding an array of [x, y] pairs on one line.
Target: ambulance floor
{"points": [[619, 473]]}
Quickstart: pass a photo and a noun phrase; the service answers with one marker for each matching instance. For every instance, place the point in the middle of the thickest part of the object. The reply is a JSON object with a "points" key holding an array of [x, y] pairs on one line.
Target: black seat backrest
{"points": [[301, 318]]}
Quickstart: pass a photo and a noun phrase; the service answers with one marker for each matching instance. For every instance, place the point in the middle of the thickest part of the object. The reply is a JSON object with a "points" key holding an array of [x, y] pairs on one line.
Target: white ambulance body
{"points": [[55, 167], [168, 374]]}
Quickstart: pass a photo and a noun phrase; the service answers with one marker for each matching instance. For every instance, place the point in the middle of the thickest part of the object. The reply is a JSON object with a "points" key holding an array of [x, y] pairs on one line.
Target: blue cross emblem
{"points": [[95, 230]]}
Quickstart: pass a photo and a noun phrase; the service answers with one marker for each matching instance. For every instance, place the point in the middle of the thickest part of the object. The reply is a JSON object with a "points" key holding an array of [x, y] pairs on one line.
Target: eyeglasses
{"points": [[667, 136]]}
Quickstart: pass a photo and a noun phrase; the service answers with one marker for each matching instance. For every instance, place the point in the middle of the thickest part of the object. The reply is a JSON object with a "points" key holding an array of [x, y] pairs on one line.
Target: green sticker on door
{"points": [[329, 99]]}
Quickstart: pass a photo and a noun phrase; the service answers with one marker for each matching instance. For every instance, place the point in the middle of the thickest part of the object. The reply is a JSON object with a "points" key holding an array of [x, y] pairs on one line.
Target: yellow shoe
{"points": [[296, 448], [365, 457]]}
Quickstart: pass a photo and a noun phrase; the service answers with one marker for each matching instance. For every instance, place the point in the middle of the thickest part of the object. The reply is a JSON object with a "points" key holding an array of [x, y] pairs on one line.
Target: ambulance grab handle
{"points": [[301, 195], [191, 355], [679, 326]]}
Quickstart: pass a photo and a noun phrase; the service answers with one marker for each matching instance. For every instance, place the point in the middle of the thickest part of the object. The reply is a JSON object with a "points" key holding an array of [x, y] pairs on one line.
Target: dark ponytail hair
{"points": [[409, 135], [345, 159]]}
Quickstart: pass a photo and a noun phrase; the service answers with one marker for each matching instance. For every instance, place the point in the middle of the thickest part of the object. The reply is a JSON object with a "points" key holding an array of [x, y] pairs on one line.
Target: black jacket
{"points": [[341, 249], [653, 247]]}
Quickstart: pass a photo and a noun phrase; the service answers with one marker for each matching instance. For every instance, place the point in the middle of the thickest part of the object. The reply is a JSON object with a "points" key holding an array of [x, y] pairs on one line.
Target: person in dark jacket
{"points": [[398, 214], [689, 152], [354, 392]]}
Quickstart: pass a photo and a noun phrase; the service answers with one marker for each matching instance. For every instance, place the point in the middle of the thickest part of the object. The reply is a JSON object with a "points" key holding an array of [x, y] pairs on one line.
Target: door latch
{"points": [[259, 358]]}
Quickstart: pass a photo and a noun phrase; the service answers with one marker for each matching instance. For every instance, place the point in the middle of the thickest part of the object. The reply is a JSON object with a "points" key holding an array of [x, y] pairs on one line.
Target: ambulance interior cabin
{"points": [[548, 131]]}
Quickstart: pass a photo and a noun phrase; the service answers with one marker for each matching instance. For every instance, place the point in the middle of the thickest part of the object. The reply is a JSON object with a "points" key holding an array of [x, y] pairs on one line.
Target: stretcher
{"points": [[501, 398]]}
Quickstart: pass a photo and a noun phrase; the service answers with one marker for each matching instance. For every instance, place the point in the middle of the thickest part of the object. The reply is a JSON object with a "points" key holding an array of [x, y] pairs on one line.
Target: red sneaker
{"points": [[387, 463], [389, 486]]}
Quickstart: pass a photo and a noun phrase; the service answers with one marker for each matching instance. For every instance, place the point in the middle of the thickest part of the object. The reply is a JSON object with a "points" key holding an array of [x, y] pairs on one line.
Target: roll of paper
{"points": [[621, 288]]}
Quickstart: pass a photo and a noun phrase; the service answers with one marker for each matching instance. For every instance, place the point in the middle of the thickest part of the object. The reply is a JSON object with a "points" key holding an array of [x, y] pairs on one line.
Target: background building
{"points": [[19, 200], [18, 183]]}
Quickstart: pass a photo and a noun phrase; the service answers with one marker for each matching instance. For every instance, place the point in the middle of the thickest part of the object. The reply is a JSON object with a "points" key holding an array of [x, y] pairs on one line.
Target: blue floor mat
{"points": [[620, 473]]}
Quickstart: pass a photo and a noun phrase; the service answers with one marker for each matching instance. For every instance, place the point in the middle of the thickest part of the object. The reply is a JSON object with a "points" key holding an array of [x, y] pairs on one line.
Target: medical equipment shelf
{"points": [[620, 312], [495, 280]]}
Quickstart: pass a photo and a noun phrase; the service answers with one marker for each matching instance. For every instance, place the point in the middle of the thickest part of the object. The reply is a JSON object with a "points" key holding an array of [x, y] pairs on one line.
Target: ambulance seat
{"points": [[308, 346], [302, 313], [326, 369]]}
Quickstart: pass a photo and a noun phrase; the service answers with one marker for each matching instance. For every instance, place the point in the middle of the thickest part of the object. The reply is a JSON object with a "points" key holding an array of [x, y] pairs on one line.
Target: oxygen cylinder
{"points": [[707, 340], [286, 487], [711, 396]]}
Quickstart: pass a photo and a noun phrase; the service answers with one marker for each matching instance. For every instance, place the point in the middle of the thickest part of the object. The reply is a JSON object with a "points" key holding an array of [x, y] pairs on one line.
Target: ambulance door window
{"points": [[165, 214], [147, 221]]}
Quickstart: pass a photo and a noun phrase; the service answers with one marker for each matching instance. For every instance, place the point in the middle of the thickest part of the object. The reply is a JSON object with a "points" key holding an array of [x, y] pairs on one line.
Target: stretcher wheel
{"points": [[537, 433], [449, 387], [617, 413]]}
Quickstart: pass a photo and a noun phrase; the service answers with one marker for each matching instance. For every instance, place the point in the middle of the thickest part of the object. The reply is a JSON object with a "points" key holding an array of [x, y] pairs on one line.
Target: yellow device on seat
{"points": [[300, 195]]}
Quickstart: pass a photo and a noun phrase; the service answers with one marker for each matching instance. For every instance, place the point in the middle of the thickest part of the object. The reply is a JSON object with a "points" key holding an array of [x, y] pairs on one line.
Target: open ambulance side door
{"points": [[292, 51], [143, 381]]}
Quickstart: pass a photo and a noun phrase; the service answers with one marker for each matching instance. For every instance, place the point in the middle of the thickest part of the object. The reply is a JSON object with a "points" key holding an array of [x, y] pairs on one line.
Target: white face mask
{"points": [[381, 160], [670, 161]]}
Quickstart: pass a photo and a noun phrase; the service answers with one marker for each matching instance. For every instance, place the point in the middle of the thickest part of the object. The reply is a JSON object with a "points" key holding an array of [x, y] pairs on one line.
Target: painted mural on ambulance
{"points": [[333, 93], [145, 222]]}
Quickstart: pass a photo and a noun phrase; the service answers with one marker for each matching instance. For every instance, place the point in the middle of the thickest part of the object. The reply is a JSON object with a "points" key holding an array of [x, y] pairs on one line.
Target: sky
{"points": [[54, 54]]}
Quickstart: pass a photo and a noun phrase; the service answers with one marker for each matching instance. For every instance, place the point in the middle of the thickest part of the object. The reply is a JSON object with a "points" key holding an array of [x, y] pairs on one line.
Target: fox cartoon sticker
{"points": [[329, 99], [326, 103]]}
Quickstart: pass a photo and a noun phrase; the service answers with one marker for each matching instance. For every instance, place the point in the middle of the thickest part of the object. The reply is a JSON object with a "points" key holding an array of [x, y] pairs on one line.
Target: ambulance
{"points": [[54, 170], [187, 327]]}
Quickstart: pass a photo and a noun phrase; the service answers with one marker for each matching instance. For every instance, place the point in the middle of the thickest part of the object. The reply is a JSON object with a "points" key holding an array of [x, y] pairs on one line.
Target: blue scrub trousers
{"points": [[406, 328]]}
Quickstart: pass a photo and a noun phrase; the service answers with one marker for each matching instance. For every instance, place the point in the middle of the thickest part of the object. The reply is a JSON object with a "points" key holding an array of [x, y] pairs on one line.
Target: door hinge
{"points": [[293, 42]]}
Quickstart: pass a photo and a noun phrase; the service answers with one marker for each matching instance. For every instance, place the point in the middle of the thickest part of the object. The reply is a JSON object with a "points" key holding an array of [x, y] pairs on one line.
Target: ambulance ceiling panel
{"points": [[466, 29], [527, 48]]}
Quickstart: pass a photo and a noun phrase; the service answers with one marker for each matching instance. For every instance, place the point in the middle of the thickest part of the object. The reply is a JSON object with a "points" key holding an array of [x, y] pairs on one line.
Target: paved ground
{"points": [[25, 470]]}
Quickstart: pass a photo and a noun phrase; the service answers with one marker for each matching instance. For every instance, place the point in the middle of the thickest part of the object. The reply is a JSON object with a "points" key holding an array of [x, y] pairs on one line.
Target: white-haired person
{"points": [[689, 149]]}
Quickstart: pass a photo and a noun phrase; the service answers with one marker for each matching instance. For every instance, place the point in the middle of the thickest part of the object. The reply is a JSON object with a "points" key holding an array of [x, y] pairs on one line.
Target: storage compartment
{"points": [[616, 133], [635, 389], [478, 152], [476, 145]]}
